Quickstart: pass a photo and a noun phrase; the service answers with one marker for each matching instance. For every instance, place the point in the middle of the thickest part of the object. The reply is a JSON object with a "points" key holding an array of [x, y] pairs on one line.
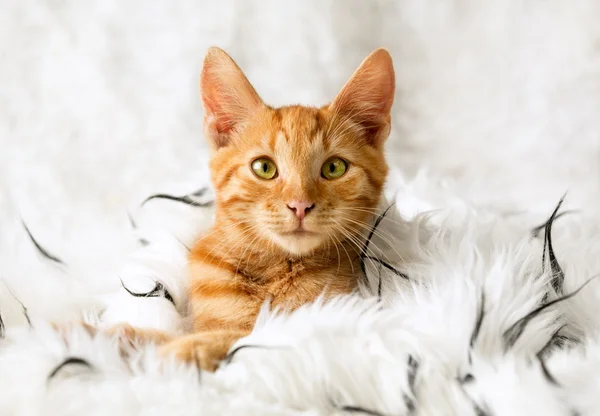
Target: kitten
{"points": [[296, 188]]}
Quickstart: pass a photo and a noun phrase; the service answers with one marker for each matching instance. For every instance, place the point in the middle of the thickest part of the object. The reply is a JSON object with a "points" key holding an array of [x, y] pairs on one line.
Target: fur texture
{"points": [[496, 117]]}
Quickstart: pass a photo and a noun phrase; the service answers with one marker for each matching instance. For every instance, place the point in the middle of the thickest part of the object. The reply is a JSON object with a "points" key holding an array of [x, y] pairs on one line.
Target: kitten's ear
{"points": [[368, 96], [227, 96]]}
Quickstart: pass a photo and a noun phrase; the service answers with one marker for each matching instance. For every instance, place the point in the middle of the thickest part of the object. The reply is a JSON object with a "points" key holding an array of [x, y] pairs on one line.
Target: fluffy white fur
{"points": [[496, 118]]}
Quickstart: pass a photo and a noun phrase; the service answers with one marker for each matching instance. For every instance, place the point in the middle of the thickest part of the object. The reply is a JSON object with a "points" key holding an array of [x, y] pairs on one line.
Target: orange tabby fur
{"points": [[259, 248]]}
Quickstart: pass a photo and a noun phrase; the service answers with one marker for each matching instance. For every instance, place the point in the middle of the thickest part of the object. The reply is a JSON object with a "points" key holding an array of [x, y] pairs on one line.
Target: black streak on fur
{"points": [[543, 352], [480, 412], [183, 244], [466, 379], [2, 327], [23, 308], [535, 231], [546, 372], [387, 266], [478, 321], [69, 361], [558, 275], [185, 199], [555, 340], [356, 409], [363, 253], [131, 221], [41, 249], [231, 354], [413, 368], [365, 247], [159, 291], [512, 334], [379, 283]]}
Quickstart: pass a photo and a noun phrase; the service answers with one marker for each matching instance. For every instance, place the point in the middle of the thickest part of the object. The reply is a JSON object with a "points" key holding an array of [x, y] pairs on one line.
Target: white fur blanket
{"points": [[470, 308]]}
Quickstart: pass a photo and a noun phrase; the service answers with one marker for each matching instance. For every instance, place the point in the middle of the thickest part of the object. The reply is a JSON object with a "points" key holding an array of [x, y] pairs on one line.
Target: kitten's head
{"points": [[298, 177]]}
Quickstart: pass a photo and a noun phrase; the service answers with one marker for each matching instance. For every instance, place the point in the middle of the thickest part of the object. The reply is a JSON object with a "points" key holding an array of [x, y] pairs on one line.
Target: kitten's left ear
{"points": [[367, 97], [228, 98]]}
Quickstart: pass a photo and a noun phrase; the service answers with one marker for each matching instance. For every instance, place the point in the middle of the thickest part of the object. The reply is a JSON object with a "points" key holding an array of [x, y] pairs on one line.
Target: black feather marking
{"points": [[365, 247], [144, 242], [131, 221], [23, 308], [2, 327], [229, 357], [379, 283], [183, 244], [546, 372], [69, 361], [479, 411], [542, 352], [413, 368], [512, 334], [466, 379], [387, 266], [200, 192], [357, 409], [535, 231], [563, 342], [159, 291], [185, 199], [553, 340], [41, 249], [478, 321], [558, 275]]}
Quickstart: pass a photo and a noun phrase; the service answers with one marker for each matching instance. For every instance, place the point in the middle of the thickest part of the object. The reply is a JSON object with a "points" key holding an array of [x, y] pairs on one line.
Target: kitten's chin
{"points": [[298, 243]]}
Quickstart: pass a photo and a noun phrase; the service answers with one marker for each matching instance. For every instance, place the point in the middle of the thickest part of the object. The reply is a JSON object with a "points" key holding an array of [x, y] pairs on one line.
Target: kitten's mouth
{"points": [[299, 232]]}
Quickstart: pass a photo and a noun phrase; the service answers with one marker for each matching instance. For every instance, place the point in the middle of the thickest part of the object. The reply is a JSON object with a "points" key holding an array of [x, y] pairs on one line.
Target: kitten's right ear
{"points": [[227, 96]]}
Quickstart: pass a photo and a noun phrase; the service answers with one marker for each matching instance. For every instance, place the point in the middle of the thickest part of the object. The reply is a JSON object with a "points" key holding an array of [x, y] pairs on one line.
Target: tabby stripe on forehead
{"points": [[317, 127], [273, 138], [228, 175]]}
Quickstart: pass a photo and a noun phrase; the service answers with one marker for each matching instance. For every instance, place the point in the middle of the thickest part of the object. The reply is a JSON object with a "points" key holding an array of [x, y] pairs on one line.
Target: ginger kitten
{"points": [[296, 188]]}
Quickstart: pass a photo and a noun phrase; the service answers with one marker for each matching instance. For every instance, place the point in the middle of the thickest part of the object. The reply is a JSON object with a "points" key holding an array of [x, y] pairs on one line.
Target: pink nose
{"points": [[300, 208]]}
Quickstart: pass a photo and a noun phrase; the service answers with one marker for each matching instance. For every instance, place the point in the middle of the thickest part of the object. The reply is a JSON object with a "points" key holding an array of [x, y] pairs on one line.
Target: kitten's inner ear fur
{"points": [[367, 97], [227, 96]]}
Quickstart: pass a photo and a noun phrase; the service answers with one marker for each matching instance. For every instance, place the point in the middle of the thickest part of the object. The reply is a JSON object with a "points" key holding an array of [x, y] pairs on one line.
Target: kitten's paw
{"points": [[194, 350], [132, 336], [205, 349]]}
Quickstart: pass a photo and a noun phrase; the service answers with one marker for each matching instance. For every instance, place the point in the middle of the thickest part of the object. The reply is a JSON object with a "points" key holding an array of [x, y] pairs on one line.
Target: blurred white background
{"points": [[99, 106]]}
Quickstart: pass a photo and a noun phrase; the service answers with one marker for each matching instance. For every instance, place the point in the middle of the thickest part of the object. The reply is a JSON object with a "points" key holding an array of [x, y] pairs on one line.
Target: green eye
{"points": [[264, 168], [334, 168]]}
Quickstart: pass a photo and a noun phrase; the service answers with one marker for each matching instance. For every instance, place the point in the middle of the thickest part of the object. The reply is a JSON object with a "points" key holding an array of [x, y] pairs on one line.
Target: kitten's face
{"points": [[298, 178]]}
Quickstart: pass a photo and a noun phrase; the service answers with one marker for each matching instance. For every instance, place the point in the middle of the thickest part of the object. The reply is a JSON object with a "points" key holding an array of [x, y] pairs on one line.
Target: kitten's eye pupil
{"points": [[264, 168], [334, 168]]}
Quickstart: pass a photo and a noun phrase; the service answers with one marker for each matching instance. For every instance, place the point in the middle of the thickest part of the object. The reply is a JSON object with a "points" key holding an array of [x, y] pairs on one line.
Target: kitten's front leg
{"points": [[126, 333], [206, 349]]}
